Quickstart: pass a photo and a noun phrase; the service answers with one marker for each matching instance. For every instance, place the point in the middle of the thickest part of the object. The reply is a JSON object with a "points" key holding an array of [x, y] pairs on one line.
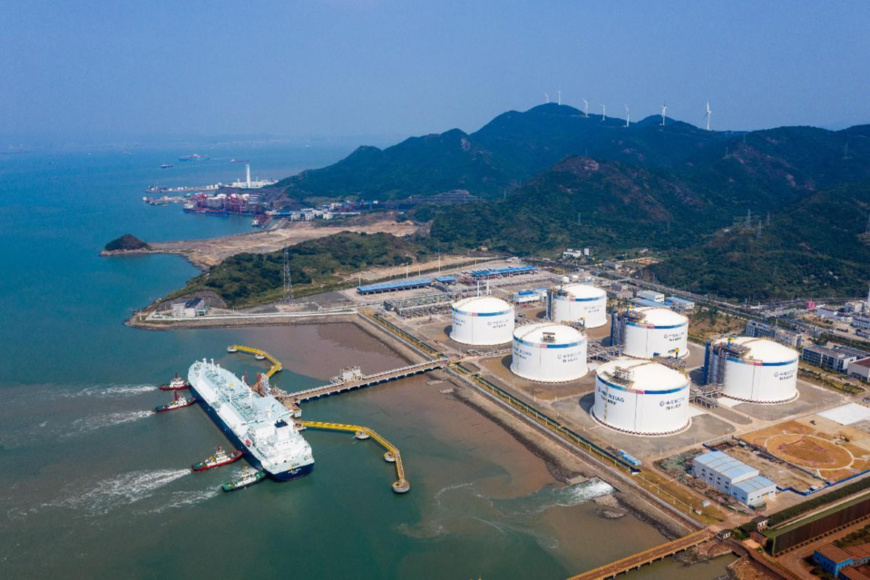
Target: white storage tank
{"points": [[756, 369], [549, 353], [578, 303], [651, 332], [482, 321], [641, 397]]}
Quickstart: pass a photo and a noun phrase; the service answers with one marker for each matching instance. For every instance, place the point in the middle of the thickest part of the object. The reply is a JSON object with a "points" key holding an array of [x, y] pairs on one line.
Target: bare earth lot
{"points": [[207, 253]]}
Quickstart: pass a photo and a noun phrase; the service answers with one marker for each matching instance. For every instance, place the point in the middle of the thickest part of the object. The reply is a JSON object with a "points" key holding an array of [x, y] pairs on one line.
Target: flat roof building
{"points": [[732, 477]]}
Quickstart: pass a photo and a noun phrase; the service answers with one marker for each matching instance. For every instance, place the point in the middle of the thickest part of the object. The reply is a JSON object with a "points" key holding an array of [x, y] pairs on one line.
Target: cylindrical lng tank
{"points": [[579, 303], [759, 370], [549, 353], [651, 332], [482, 321], [641, 397]]}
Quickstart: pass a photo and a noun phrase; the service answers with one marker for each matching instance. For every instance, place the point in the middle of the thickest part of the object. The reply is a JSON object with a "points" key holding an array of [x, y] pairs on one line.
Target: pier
{"points": [[351, 379], [392, 455], [646, 557], [260, 355]]}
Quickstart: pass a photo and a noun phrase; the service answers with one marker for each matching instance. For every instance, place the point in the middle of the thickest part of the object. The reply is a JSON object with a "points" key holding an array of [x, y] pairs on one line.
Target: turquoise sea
{"points": [[94, 485]]}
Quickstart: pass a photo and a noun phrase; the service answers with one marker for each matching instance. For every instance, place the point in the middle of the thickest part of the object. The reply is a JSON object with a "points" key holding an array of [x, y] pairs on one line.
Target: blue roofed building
{"points": [[753, 491], [734, 478], [396, 286]]}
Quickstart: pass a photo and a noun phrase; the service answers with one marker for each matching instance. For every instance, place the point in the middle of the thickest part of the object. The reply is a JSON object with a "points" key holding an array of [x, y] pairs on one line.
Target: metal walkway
{"points": [[276, 364], [338, 386], [646, 557], [401, 485]]}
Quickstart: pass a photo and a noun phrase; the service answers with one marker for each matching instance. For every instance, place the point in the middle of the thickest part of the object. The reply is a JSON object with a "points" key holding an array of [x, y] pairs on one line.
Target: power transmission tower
{"points": [[288, 281]]}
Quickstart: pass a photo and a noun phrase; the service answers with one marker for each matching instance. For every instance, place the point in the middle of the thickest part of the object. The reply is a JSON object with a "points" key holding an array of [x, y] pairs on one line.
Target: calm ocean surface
{"points": [[92, 484]]}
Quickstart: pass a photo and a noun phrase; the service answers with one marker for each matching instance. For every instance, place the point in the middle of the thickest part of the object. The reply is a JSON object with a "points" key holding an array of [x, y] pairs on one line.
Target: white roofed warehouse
{"points": [[752, 369], [549, 353], [482, 321], [641, 397]]}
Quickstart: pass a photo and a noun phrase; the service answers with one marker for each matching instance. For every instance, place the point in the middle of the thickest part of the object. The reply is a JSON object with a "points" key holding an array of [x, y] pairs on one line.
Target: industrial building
{"points": [[837, 358], [752, 369], [641, 397], [482, 321], [651, 295], [734, 478], [842, 563], [502, 272], [651, 332], [190, 308], [395, 286], [758, 329], [549, 353], [578, 303], [860, 369]]}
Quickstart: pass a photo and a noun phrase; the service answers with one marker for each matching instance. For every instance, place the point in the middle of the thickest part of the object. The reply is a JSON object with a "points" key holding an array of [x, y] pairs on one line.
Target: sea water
{"points": [[93, 484]]}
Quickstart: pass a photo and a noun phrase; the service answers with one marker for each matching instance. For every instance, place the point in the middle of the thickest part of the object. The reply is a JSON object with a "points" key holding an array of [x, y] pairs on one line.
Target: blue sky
{"points": [[79, 69]]}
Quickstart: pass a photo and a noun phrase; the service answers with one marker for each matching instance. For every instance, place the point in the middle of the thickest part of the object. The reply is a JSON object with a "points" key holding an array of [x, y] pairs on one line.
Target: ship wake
{"points": [[121, 490]]}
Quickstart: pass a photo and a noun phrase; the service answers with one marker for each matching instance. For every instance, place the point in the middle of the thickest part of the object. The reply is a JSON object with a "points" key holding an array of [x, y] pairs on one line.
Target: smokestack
{"points": [[248, 172]]}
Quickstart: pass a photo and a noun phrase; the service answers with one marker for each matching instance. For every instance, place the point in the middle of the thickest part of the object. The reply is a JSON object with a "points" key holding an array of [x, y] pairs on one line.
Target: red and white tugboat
{"points": [[176, 403], [176, 384], [220, 457]]}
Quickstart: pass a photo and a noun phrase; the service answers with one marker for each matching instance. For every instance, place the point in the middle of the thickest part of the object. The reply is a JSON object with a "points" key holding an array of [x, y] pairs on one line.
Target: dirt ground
{"points": [[207, 253], [830, 450], [780, 473]]}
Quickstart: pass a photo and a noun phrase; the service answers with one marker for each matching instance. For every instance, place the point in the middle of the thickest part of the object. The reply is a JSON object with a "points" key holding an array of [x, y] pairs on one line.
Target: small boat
{"points": [[234, 160], [220, 457], [176, 403], [248, 477], [176, 384], [165, 166]]}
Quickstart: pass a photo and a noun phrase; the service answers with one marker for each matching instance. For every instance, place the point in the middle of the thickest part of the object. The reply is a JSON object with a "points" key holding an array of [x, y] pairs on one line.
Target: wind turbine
{"points": [[627, 116], [664, 113], [603, 112], [586, 108], [546, 96], [559, 93], [708, 115]]}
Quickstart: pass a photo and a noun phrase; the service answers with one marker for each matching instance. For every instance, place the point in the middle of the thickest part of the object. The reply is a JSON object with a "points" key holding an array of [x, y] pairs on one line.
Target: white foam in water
{"points": [[111, 391], [548, 497], [122, 490], [88, 424], [181, 499]]}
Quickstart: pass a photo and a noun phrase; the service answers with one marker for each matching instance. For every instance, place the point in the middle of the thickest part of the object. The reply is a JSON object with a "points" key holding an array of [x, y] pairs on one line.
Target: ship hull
{"points": [[239, 444]]}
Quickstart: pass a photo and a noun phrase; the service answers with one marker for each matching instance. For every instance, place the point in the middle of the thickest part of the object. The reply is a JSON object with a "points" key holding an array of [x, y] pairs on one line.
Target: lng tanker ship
{"points": [[260, 426]]}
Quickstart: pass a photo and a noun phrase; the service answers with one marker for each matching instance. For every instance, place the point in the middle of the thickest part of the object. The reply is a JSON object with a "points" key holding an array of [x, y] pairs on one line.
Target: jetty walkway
{"points": [[401, 485], [259, 354], [339, 385], [646, 557]]}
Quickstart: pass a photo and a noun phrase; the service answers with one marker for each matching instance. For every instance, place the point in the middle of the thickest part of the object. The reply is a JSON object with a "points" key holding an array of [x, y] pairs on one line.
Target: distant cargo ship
{"points": [[260, 426], [194, 157], [165, 166], [234, 160]]}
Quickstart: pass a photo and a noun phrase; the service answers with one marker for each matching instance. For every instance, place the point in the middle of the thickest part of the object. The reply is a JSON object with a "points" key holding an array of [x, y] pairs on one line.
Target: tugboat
{"points": [[248, 477], [176, 403], [219, 458], [176, 384]]}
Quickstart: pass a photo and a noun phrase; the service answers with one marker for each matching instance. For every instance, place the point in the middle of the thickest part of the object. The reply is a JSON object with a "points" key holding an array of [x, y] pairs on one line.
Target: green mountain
{"points": [[762, 170], [512, 148], [582, 202], [819, 246]]}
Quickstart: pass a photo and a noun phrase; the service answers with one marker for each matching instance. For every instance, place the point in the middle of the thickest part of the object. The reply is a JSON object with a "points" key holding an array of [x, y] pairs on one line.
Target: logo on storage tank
{"points": [[673, 335], [783, 375], [671, 404]]}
